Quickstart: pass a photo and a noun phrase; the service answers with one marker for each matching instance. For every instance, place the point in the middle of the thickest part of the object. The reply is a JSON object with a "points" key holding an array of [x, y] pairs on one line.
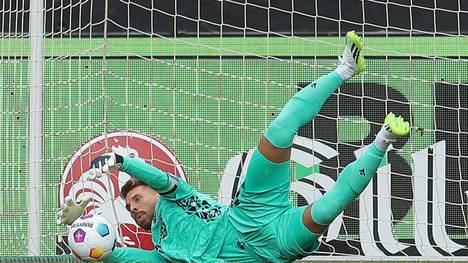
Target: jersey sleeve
{"points": [[134, 255], [167, 185]]}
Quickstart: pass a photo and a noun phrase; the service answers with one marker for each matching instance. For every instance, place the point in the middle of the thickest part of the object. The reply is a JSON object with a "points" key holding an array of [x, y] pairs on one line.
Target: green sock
{"points": [[350, 184], [300, 109]]}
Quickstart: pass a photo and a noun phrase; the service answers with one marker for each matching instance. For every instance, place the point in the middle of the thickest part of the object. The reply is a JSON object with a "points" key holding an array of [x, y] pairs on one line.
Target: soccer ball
{"points": [[91, 238]]}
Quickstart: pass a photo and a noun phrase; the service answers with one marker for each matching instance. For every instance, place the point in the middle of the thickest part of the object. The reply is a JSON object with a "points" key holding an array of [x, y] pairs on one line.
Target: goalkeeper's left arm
{"points": [[162, 182], [166, 184]]}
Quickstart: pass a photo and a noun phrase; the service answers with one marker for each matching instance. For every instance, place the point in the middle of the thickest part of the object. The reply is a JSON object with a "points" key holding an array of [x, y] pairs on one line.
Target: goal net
{"points": [[189, 86]]}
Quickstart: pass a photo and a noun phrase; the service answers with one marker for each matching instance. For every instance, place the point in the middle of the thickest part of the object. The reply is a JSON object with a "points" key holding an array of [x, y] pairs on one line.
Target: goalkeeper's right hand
{"points": [[71, 210], [102, 165]]}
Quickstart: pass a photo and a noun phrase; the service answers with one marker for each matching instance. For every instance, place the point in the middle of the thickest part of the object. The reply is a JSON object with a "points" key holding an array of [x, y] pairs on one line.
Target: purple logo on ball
{"points": [[86, 216], [79, 235]]}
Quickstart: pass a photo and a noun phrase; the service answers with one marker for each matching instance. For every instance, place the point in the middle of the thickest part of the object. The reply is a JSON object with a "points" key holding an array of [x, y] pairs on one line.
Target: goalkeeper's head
{"points": [[140, 200]]}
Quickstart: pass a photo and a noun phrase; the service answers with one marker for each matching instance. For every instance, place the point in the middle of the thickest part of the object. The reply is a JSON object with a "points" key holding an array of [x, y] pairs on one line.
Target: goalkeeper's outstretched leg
{"points": [[355, 177]]}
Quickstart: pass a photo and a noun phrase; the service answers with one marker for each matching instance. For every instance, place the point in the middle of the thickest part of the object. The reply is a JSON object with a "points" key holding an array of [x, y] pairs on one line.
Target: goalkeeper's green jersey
{"points": [[188, 226]]}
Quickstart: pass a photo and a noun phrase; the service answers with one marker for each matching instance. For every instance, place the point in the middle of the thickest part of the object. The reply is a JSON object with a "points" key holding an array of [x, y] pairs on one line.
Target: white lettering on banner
{"points": [[375, 236], [435, 242]]}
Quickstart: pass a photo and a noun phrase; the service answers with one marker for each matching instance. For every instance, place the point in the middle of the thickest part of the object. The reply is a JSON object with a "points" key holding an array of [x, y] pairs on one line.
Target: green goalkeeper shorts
{"points": [[269, 226]]}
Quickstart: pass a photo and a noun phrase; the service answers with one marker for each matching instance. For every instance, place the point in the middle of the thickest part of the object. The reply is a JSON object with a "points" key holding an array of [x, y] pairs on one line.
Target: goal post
{"points": [[190, 86], [36, 75]]}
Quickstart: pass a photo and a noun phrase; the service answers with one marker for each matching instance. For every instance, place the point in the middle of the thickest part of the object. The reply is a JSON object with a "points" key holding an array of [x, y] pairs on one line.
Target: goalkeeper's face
{"points": [[140, 201]]}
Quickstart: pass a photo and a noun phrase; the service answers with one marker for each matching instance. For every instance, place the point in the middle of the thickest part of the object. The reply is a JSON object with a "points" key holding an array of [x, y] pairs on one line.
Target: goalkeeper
{"points": [[261, 225]]}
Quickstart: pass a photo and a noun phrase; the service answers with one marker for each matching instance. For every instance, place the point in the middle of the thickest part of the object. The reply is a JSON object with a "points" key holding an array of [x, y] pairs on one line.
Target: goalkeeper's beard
{"points": [[144, 221]]}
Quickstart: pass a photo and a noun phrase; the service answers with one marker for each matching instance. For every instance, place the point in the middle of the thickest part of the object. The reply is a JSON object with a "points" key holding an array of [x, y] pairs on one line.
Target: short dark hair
{"points": [[129, 185]]}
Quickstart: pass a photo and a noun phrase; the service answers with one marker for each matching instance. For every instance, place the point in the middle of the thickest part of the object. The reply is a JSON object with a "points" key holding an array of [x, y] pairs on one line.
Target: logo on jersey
{"points": [[105, 191], [202, 209]]}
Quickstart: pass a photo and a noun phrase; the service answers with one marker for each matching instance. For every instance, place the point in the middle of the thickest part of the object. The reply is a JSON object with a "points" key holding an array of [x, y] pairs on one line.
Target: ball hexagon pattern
{"points": [[79, 235], [96, 252], [102, 229]]}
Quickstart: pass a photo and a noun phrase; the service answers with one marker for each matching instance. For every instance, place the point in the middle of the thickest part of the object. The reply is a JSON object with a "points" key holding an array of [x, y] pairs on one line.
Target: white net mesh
{"points": [[201, 80]]}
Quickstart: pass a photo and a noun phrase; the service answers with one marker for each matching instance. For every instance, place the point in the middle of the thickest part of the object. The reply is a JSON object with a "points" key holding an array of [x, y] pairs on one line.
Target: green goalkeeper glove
{"points": [[71, 210]]}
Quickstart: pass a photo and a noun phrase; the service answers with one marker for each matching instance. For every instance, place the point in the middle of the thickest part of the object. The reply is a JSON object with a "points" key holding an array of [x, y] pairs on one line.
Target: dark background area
{"points": [[241, 17]]}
